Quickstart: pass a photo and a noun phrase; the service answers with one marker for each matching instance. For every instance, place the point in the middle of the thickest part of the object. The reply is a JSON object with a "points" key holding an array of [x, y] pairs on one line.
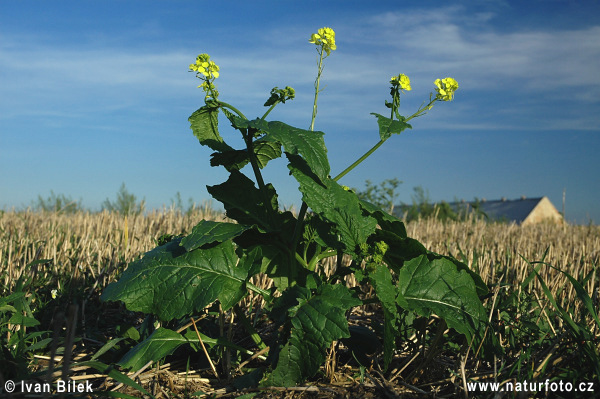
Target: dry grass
{"points": [[96, 246], [495, 250], [95, 243], [99, 243]]}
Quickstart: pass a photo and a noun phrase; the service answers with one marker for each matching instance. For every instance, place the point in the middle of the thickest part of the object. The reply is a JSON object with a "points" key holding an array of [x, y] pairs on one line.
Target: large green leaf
{"points": [[385, 221], [170, 282], [388, 126], [438, 287], [204, 123], [338, 207], [307, 144], [207, 232], [244, 202], [316, 321], [237, 159]]}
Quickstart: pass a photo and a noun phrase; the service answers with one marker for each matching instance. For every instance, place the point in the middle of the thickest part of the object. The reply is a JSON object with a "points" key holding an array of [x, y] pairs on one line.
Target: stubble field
{"points": [[61, 262]]}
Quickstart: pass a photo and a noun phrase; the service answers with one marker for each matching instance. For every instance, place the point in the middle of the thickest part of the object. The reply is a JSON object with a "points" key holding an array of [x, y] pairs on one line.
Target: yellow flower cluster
{"points": [[445, 88], [208, 71], [324, 37], [401, 81], [205, 66]]}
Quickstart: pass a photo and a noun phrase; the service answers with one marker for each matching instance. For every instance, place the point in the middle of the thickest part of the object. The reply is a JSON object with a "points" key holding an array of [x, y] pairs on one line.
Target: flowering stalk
{"points": [[324, 39], [445, 88]]}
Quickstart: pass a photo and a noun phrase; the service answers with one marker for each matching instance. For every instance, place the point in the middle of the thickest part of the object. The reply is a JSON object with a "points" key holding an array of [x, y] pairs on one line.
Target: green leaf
{"points": [[237, 159], [280, 267], [266, 151], [307, 144], [160, 343], [241, 123], [208, 232], [316, 321], [244, 203], [385, 221], [480, 286], [400, 249], [204, 123], [338, 207], [388, 126], [438, 287], [170, 282]]}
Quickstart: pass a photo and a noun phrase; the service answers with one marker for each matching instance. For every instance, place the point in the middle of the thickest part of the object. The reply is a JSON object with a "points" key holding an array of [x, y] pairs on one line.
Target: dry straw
{"points": [[102, 243]]}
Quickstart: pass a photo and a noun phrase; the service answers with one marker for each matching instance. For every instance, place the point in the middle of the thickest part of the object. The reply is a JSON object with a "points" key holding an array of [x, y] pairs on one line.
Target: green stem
{"points": [[358, 161], [234, 109], [269, 111], [419, 112], [253, 161], [317, 84], [313, 262], [304, 206], [264, 293]]}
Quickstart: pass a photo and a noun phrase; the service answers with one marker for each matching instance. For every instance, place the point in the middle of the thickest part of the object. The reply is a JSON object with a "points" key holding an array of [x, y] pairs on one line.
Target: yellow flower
{"points": [[207, 71], [445, 88], [54, 293], [205, 67], [402, 81], [324, 37]]}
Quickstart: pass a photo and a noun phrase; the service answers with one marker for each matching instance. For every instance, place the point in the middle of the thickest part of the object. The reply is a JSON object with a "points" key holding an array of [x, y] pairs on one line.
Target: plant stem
{"points": [[261, 291], [304, 206], [248, 136], [234, 109], [419, 112], [317, 84], [358, 161], [269, 111]]}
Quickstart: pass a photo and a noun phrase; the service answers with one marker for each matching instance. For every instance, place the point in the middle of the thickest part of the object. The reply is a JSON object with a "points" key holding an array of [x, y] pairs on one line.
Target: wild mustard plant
{"points": [[216, 261]]}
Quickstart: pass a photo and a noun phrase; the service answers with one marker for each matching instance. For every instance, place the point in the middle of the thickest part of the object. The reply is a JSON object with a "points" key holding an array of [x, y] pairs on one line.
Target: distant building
{"points": [[522, 211]]}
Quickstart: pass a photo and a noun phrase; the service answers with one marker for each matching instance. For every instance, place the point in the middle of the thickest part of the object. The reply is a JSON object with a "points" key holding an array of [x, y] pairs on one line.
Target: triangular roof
{"points": [[510, 210]]}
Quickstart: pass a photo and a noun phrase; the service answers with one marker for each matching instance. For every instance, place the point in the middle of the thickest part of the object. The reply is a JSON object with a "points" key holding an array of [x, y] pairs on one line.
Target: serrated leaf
{"points": [[388, 126], [283, 270], [237, 159], [241, 123], [317, 320], [400, 249], [231, 160], [438, 287], [480, 286], [266, 151], [385, 221], [307, 144], [204, 123], [338, 207], [162, 342], [170, 282], [208, 232], [244, 203]]}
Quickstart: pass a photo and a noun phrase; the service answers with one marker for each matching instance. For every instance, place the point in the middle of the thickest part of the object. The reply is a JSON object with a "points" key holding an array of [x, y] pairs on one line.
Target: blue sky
{"points": [[94, 94]]}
